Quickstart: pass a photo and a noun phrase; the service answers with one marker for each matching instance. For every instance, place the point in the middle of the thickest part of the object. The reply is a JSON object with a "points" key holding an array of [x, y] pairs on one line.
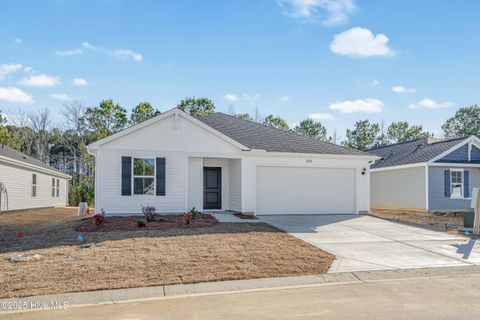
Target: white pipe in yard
{"points": [[476, 206]]}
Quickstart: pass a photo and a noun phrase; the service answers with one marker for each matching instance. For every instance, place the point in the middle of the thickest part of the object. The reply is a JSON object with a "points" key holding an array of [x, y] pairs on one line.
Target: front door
{"points": [[212, 188]]}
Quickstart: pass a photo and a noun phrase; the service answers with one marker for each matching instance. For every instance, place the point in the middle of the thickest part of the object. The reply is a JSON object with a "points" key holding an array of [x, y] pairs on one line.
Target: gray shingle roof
{"points": [[414, 151], [8, 152], [258, 136]]}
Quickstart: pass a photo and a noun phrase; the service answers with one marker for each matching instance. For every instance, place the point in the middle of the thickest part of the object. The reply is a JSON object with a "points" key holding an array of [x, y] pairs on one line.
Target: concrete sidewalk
{"points": [[236, 286]]}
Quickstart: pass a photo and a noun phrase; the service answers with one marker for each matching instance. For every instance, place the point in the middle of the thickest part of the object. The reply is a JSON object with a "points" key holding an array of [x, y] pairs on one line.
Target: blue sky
{"points": [[337, 61]]}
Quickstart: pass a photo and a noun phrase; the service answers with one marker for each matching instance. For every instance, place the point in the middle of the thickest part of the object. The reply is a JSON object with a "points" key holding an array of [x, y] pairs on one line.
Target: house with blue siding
{"points": [[426, 174]]}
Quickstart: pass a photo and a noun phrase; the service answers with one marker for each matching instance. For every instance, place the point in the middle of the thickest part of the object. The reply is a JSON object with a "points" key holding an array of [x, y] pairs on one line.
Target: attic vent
{"points": [[24, 157], [418, 147]]}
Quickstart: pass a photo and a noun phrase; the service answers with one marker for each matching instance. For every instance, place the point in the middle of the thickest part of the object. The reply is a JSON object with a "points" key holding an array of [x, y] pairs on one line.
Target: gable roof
{"points": [[258, 136], [414, 151], [19, 157]]}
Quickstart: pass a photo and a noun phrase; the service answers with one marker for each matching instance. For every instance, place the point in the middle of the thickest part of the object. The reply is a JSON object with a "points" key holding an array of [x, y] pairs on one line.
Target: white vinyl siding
{"points": [[19, 184], [195, 183], [399, 188]]}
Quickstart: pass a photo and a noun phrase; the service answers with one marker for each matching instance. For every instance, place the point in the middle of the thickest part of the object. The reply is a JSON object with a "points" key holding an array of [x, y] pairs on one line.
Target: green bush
{"points": [[141, 223], [81, 192]]}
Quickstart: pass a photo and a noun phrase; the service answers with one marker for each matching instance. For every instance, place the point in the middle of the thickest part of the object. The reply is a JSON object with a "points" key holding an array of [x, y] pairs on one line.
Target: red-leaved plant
{"points": [[187, 217], [98, 220]]}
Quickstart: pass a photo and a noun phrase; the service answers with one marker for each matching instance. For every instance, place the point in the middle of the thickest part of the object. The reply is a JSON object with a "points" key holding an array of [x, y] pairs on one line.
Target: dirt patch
{"points": [[125, 259], [245, 216], [161, 222], [450, 221]]}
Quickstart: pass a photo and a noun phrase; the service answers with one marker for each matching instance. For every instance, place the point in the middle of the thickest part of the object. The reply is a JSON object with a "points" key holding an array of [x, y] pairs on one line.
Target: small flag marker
{"points": [[20, 234], [80, 237]]}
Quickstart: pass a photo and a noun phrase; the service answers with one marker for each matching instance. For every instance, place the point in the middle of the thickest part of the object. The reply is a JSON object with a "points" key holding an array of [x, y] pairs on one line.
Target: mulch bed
{"points": [[162, 222], [245, 216]]}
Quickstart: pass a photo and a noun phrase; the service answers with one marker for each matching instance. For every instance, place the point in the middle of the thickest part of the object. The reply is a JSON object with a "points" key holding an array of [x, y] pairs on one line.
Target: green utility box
{"points": [[468, 218]]}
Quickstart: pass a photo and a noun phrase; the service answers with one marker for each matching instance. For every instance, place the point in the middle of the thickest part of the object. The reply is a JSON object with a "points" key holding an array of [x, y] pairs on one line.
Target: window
{"points": [[143, 176], [58, 188], [456, 183], [53, 187], [34, 185]]}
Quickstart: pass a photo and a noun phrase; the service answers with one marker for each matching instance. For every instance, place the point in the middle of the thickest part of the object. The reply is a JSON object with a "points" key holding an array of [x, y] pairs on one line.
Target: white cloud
{"points": [[18, 41], [28, 69], [361, 105], [285, 99], [12, 94], [79, 82], [330, 12], [294, 124], [68, 52], [361, 42], [375, 82], [87, 45], [321, 116], [430, 104], [400, 89], [41, 80], [251, 98], [9, 68], [124, 54], [231, 97], [62, 97]]}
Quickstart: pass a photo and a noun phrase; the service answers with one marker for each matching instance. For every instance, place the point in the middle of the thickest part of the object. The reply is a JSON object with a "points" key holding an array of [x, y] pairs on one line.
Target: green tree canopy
{"points": [[106, 119], [363, 136], [197, 107], [465, 122], [244, 116], [143, 111], [312, 129], [275, 122], [4, 134], [402, 131]]}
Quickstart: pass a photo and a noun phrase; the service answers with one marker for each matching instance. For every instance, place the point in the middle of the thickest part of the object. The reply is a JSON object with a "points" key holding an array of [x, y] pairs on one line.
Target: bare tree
{"points": [[257, 116], [40, 122], [74, 113]]}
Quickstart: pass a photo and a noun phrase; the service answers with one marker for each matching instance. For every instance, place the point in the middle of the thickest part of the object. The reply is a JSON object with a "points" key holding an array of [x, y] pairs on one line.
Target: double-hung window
{"points": [[456, 183], [34, 185], [53, 187], [144, 176], [58, 188]]}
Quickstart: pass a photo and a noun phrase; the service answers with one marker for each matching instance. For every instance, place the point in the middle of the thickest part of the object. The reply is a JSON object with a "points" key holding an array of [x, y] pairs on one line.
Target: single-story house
{"points": [[426, 174], [220, 162], [27, 183]]}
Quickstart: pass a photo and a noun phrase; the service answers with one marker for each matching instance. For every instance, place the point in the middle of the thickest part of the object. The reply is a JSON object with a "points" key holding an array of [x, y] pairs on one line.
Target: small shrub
{"points": [[149, 213], [98, 220], [194, 212], [141, 223], [187, 217]]}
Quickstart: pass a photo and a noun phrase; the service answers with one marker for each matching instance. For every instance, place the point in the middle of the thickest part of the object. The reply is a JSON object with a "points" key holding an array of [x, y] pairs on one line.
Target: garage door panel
{"points": [[294, 190]]}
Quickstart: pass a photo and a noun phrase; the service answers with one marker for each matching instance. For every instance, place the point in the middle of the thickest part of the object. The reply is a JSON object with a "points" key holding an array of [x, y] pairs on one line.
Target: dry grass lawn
{"points": [[117, 259], [450, 222]]}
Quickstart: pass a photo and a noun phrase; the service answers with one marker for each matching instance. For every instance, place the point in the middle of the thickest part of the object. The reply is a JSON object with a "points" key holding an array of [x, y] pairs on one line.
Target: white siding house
{"points": [[27, 183], [175, 162]]}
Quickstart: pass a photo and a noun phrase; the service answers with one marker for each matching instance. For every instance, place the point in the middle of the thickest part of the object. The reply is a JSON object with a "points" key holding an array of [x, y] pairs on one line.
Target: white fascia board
{"points": [[263, 153], [175, 112], [471, 139], [450, 164], [403, 166], [34, 167]]}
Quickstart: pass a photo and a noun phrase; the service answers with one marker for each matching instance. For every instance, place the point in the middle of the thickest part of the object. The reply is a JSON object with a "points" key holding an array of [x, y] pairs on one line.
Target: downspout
{"points": [[427, 200]]}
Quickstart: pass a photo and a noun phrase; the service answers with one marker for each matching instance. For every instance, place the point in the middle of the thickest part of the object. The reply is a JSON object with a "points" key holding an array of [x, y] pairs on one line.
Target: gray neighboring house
{"points": [[426, 174]]}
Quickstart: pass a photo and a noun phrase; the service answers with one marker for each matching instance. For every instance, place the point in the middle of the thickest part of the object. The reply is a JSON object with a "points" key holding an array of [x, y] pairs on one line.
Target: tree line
{"points": [[64, 146]]}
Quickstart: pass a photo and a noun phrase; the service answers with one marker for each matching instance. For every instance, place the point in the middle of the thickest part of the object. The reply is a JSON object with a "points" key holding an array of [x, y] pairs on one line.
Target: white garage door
{"points": [[293, 190]]}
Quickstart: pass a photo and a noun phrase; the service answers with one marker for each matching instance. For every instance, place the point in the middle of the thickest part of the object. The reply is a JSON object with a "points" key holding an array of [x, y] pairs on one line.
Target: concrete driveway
{"points": [[368, 243]]}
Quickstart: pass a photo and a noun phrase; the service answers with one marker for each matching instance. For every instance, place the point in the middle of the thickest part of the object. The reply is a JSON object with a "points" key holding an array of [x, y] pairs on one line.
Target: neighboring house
{"points": [[27, 183], [175, 162], [426, 174]]}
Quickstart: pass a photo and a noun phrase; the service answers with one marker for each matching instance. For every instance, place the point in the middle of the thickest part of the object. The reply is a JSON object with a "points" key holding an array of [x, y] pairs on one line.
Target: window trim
{"points": [[53, 188], [462, 184], [154, 176], [34, 185], [57, 189]]}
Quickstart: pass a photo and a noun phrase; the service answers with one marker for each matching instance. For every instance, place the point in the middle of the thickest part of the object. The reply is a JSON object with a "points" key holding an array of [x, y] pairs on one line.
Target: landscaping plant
{"points": [[187, 217], [149, 213], [98, 220], [141, 223], [194, 212]]}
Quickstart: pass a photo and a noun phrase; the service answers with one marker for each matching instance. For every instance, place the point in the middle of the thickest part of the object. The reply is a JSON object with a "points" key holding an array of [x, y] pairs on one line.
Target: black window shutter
{"points": [[447, 183], [466, 184], [160, 176], [126, 176]]}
